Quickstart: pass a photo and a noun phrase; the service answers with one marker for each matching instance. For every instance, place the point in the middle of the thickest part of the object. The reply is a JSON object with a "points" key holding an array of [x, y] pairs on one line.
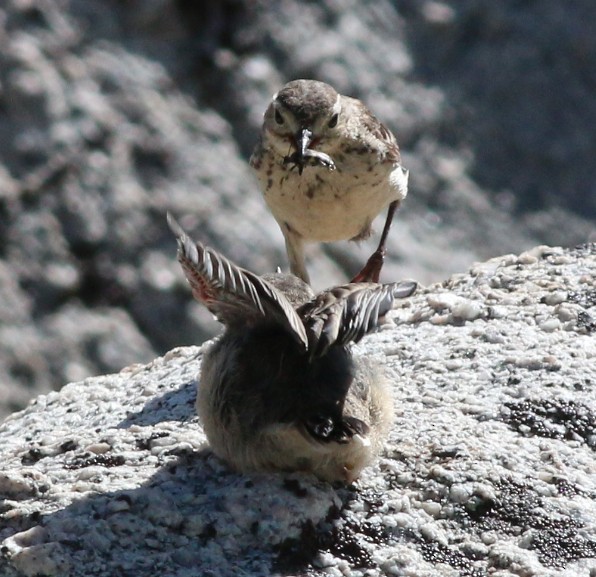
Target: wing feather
{"points": [[347, 313], [237, 297]]}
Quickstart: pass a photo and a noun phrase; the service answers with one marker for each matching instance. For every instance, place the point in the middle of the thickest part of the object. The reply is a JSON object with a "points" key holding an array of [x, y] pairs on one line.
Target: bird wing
{"points": [[326, 429], [346, 313], [236, 297], [376, 132]]}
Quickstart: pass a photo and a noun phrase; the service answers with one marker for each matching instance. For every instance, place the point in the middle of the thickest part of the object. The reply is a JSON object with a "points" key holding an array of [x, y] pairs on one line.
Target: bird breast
{"points": [[326, 206]]}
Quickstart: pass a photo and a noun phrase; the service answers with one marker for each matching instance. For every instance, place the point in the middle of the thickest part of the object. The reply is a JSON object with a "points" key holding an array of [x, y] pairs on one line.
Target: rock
{"points": [[489, 468]]}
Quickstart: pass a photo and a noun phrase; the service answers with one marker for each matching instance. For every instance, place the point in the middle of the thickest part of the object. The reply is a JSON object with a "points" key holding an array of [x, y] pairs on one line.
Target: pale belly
{"points": [[321, 205]]}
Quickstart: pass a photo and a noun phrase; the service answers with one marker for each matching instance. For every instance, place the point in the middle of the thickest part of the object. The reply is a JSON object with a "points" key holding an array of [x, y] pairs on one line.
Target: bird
{"points": [[280, 389], [327, 167]]}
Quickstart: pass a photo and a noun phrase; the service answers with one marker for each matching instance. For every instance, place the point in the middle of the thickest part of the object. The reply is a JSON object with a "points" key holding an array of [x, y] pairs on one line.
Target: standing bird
{"points": [[327, 167], [280, 389]]}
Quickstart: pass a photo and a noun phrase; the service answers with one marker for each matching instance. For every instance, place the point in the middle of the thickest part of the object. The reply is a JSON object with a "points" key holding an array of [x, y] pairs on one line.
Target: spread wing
{"points": [[346, 313], [235, 296]]}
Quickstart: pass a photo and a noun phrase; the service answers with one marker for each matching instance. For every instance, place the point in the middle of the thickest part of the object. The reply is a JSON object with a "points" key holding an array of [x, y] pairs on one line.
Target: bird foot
{"points": [[372, 269]]}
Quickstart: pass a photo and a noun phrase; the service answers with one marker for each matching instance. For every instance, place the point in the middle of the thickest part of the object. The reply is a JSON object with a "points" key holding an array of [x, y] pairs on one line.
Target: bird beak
{"points": [[303, 141], [303, 154]]}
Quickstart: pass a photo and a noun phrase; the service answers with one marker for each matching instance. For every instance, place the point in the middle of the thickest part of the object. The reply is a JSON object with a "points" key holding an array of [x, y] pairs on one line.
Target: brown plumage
{"points": [[280, 389], [327, 167]]}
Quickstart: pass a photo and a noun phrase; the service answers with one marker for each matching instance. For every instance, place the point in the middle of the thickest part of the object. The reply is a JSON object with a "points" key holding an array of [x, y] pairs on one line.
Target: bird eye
{"points": [[333, 121], [278, 117]]}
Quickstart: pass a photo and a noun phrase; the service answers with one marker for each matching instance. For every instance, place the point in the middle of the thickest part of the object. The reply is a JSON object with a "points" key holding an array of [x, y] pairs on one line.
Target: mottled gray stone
{"points": [[112, 113], [488, 470]]}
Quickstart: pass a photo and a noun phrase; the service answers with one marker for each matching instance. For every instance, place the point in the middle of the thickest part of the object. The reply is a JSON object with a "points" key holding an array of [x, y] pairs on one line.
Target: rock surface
{"points": [[489, 468], [112, 113]]}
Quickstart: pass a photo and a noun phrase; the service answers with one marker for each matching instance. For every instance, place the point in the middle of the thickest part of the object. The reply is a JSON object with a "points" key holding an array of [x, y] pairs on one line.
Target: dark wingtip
{"points": [[404, 289], [327, 429]]}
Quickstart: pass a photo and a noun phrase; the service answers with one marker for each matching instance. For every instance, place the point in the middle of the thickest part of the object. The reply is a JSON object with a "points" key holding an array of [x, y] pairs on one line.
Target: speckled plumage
{"points": [[330, 184], [280, 389]]}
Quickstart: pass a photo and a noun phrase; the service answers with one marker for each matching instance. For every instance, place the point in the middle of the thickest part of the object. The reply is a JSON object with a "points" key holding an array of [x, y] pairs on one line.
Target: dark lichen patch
{"points": [[555, 419], [145, 444], [69, 445], [36, 452], [434, 552], [567, 489], [345, 540], [298, 554], [342, 536], [89, 460], [585, 299], [557, 547], [586, 322], [517, 509], [33, 455]]}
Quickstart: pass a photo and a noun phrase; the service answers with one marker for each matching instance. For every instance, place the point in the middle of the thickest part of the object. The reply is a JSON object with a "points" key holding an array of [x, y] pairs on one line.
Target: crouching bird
{"points": [[280, 389]]}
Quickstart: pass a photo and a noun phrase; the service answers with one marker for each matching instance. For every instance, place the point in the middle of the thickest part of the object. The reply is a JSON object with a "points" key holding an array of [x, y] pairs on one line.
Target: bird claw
{"points": [[372, 269]]}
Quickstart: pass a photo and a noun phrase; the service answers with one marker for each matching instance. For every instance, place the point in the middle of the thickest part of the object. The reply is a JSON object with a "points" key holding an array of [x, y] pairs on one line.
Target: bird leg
{"points": [[372, 269], [295, 251]]}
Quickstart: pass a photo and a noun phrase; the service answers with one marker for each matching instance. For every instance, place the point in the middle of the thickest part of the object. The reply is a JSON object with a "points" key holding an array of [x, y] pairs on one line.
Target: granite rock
{"points": [[488, 470]]}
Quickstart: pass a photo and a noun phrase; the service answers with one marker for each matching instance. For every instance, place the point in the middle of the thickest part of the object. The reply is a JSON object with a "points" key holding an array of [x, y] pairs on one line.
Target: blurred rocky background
{"points": [[114, 111]]}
